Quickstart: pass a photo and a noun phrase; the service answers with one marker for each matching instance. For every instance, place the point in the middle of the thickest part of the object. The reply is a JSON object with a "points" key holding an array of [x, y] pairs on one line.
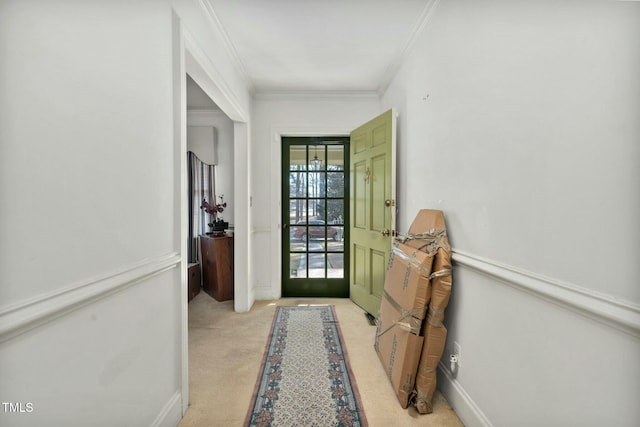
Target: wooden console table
{"points": [[193, 280], [217, 266]]}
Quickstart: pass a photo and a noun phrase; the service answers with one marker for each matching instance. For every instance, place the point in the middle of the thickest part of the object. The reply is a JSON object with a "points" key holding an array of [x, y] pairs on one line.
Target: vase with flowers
{"points": [[217, 224]]}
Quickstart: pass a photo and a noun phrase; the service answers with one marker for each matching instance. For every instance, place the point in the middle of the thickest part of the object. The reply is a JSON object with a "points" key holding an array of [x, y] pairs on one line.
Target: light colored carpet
{"points": [[225, 355]]}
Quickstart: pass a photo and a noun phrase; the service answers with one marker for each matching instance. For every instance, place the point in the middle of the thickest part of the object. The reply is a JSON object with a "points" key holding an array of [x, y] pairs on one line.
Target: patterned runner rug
{"points": [[305, 378]]}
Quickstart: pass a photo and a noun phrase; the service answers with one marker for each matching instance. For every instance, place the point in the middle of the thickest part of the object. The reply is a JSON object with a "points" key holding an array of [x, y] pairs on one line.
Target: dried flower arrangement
{"points": [[214, 210]]}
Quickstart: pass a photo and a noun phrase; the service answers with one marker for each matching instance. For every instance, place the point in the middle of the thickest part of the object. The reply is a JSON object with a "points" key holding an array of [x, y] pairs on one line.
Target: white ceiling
{"points": [[319, 45]]}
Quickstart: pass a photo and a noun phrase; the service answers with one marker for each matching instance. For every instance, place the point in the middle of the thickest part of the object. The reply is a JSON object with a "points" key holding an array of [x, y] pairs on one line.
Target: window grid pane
{"points": [[316, 192]]}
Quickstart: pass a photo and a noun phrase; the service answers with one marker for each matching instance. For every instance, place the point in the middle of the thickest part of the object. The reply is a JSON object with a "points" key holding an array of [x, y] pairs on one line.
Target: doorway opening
{"points": [[315, 217]]}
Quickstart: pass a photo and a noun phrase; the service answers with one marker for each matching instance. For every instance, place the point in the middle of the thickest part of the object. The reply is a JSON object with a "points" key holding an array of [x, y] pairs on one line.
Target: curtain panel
{"points": [[201, 186]]}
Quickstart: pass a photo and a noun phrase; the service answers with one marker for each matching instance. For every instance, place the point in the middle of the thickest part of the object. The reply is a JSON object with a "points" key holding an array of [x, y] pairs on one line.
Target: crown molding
{"points": [[401, 56], [295, 94], [204, 67], [210, 13]]}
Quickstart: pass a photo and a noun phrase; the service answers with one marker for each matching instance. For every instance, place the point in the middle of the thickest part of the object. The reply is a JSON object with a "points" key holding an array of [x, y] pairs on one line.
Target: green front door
{"points": [[315, 212], [372, 207]]}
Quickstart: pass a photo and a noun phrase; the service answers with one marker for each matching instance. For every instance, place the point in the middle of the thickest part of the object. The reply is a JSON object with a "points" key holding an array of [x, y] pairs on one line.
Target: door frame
{"points": [[188, 56], [275, 255], [314, 285]]}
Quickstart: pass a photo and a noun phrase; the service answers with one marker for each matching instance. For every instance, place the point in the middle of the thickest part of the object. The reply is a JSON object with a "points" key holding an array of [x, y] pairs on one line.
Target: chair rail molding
{"points": [[28, 314], [256, 230], [604, 308]]}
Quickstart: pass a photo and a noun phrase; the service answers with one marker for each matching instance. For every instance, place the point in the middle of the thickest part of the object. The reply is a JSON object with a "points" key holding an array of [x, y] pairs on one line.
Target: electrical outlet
{"points": [[457, 351]]}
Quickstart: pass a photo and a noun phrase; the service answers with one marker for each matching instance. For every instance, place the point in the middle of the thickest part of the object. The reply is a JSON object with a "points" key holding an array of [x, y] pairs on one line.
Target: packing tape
{"points": [[424, 403], [411, 259], [433, 311], [400, 322], [433, 240], [425, 370], [434, 322], [440, 273], [402, 325], [398, 307]]}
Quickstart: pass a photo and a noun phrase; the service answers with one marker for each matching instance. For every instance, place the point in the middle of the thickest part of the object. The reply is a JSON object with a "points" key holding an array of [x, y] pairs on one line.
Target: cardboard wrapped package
{"points": [[399, 350], [408, 273], [402, 310], [403, 320], [434, 332], [428, 232]]}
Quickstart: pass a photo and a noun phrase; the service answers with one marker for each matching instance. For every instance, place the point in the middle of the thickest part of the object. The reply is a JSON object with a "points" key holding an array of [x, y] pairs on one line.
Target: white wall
{"points": [[224, 152], [87, 159], [278, 115], [201, 140], [92, 265], [520, 121]]}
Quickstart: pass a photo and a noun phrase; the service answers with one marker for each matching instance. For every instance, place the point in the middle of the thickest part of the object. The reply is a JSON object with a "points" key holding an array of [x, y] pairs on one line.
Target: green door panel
{"points": [[372, 208]]}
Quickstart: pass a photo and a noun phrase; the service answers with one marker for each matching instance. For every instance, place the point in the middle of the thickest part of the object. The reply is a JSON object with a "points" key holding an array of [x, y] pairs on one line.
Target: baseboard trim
{"points": [[604, 308], [171, 413], [25, 315], [465, 408]]}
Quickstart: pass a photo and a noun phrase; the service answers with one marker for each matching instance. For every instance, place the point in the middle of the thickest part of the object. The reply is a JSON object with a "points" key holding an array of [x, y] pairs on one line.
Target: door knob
{"points": [[385, 232]]}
